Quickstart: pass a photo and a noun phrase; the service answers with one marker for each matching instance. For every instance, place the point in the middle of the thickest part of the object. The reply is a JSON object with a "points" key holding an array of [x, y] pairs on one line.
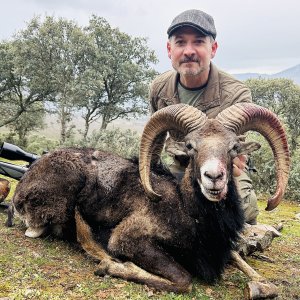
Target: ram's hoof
{"points": [[35, 232], [260, 290], [102, 268]]}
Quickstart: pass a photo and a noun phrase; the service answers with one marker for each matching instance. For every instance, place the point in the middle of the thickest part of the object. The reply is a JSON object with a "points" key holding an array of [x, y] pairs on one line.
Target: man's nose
{"points": [[189, 49]]}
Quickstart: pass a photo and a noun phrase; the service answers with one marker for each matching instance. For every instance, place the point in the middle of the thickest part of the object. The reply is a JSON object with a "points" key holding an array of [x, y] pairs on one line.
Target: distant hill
{"points": [[292, 73]]}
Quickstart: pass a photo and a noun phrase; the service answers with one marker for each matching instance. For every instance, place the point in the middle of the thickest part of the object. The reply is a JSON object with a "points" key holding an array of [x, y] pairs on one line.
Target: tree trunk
{"points": [[86, 129], [105, 122], [22, 137], [63, 125]]}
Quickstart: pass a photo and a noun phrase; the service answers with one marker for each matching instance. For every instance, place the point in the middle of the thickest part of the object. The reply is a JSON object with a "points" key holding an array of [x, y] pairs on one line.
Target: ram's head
{"points": [[212, 144]]}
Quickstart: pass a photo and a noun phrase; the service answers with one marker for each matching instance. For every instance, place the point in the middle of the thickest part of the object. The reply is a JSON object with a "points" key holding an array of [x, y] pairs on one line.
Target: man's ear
{"points": [[214, 48], [169, 49], [247, 148]]}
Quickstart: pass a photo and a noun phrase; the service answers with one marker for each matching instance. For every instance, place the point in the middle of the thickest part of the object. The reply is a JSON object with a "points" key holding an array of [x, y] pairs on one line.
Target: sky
{"points": [[253, 35]]}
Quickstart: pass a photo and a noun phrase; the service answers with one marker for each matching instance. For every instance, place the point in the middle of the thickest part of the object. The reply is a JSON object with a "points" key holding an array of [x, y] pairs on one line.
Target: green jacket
{"points": [[221, 91]]}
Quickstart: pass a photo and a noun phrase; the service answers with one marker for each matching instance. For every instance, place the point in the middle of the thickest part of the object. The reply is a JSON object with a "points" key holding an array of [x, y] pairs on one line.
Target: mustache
{"points": [[189, 59]]}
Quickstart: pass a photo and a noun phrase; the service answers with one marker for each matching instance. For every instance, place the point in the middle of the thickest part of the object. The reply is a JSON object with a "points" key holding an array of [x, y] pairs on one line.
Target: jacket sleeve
{"points": [[152, 99], [241, 94]]}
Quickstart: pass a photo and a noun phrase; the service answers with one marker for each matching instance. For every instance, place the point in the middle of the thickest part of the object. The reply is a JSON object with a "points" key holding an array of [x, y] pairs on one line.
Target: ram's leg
{"points": [[133, 239], [86, 240], [10, 216], [156, 261], [245, 268], [110, 266], [258, 287]]}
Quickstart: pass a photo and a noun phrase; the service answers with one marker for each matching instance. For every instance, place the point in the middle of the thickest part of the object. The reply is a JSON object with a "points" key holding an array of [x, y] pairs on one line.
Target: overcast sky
{"points": [[253, 35]]}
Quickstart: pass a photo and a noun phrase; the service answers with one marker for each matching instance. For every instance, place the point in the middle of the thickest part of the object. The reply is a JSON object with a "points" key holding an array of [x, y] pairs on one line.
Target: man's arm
{"points": [[241, 94], [152, 99]]}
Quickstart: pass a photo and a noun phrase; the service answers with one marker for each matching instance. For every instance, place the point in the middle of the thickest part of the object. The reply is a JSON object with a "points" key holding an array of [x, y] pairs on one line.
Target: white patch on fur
{"points": [[35, 232], [213, 190]]}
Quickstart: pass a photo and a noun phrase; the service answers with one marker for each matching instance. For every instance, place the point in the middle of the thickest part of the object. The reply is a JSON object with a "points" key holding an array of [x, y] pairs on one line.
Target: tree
{"points": [[282, 96], [20, 89], [26, 123], [119, 73], [62, 48], [99, 71]]}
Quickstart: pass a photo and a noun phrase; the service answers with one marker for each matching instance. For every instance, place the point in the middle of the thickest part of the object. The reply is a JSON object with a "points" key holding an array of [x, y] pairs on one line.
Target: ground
{"points": [[52, 269]]}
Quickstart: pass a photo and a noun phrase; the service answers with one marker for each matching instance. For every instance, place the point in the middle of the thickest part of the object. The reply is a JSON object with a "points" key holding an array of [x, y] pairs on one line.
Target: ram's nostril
{"points": [[214, 175]]}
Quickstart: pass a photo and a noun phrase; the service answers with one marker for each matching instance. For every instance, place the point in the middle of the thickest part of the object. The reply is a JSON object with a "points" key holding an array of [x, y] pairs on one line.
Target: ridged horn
{"points": [[243, 117], [179, 117]]}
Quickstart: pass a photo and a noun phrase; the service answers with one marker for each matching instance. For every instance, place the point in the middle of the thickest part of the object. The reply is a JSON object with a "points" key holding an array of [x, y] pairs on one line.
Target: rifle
{"points": [[12, 152]]}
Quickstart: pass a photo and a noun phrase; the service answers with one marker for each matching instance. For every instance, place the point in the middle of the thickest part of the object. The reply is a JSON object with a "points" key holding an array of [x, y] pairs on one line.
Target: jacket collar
{"points": [[210, 95], [212, 90]]}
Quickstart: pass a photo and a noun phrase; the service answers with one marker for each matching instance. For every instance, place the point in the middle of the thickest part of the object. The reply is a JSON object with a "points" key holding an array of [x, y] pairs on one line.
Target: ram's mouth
{"points": [[213, 194]]}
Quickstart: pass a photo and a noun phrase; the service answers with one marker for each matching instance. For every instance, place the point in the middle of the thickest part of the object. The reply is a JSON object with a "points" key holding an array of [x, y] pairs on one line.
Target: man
{"points": [[197, 82]]}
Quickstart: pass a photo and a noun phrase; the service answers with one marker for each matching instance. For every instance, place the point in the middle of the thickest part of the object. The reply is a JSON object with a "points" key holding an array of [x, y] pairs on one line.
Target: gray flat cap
{"points": [[196, 19]]}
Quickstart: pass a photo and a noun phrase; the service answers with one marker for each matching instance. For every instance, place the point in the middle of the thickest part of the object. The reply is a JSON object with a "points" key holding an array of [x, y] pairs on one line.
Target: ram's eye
{"points": [[189, 146], [235, 150]]}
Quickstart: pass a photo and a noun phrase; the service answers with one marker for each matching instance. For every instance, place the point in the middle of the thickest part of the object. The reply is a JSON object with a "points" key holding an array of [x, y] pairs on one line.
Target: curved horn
{"points": [[179, 117], [243, 117]]}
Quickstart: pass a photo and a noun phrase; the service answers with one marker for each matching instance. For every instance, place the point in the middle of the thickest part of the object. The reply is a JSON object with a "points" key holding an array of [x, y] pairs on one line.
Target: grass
{"points": [[52, 269]]}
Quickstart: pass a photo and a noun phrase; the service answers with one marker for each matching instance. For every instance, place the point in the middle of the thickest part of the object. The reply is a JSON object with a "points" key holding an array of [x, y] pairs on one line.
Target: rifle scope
{"points": [[12, 152]]}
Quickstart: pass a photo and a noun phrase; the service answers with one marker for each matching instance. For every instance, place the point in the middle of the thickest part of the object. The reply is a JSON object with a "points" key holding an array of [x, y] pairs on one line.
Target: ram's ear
{"points": [[246, 148]]}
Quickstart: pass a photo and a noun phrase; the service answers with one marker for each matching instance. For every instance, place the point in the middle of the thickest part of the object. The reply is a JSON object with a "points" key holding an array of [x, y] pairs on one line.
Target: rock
{"points": [[256, 238]]}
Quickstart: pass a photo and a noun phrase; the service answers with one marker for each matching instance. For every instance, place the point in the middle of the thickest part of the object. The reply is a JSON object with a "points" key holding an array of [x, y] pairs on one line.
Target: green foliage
{"points": [[117, 89], [263, 160], [264, 180], [35, 143], [282, 96], [38, 144], [59, 48], [293, 190], [124, 143], [24, 81], [26, 123], [97, 71]]}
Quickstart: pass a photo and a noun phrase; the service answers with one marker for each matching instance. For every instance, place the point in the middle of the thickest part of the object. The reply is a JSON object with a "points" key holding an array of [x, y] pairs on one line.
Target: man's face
{"points": [[190, 51]]}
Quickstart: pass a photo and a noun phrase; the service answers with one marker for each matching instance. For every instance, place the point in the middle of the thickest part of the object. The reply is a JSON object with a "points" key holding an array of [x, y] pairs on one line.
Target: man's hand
{"points": [[239, 164]]}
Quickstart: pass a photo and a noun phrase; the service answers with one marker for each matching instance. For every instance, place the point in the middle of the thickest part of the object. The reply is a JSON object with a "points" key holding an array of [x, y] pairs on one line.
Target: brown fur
{"points": [[165, 241]]}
